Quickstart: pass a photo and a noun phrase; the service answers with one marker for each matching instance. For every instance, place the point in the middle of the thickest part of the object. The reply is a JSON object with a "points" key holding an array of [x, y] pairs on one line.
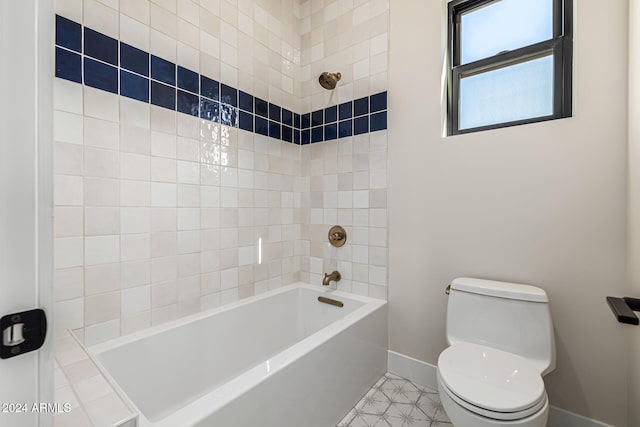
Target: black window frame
{"points": [[560, 45]]}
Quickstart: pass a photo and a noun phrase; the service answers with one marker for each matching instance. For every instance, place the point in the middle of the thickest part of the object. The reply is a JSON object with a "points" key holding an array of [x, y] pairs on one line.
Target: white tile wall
{"points": [[344, 182], [159, 214]]}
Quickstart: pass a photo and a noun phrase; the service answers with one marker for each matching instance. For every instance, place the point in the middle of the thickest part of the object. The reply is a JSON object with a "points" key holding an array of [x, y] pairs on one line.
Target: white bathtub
{"points": [[277, 359]]}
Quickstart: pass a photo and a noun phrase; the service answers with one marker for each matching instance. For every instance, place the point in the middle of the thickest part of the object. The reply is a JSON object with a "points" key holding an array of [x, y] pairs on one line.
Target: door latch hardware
{"points": [[13, 335], [22, 332]]}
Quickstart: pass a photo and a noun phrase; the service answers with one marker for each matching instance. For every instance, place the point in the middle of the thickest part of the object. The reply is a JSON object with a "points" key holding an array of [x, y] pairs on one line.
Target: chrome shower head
{"points": [[329, 80]]}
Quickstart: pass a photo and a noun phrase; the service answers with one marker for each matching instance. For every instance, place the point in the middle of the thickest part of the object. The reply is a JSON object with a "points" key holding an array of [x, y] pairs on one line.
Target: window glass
{"points": [[507, 94], [504, 25]]}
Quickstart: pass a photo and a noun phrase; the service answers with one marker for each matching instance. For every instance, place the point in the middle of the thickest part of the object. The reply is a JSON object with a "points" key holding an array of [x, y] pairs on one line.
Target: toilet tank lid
{"points": [[500, 289]]}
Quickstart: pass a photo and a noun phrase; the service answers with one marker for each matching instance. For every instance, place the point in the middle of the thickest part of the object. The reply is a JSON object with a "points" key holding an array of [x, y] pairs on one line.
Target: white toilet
{"points": [[501, 344]]}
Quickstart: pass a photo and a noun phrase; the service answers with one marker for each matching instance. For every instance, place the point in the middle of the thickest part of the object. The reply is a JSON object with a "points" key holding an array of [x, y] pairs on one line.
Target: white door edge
{"points": [[26, 199]]}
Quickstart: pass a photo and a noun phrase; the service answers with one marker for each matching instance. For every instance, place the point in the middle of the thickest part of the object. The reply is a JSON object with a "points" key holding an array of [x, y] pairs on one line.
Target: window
{"points": [[510, 63]]}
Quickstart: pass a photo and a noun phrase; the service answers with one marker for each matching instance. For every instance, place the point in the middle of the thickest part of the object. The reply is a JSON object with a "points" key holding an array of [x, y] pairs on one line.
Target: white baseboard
{"points": [[419, 372], [562, 418], [424, 374]]}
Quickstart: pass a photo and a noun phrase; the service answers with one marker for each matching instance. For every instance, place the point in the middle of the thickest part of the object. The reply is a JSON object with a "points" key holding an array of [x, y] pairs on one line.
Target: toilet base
{"points": [[462, 417]]}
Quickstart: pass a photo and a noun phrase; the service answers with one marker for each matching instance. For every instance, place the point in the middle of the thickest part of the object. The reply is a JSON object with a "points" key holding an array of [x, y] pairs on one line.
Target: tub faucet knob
{"points": [[328, 278]]}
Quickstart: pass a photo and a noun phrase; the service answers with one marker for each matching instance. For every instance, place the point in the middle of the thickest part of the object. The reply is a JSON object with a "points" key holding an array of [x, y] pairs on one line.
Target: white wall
{"points": [[542, 204], [634, 207]]}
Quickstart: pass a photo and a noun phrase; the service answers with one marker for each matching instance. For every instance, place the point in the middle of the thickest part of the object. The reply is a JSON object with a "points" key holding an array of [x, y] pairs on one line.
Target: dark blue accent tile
{"points": [[378, 121], [134, 59], [361, 106], [68, 34], [274, 112], [228, 115], [306, 121], [245, 101], [261, 126], [305, 136], [245, 121], [360, 125], [68, 65], [100, 75], [134, 87], [209, 88], [163, 95], [378, 102], [287, 133], [209, 110], [262, 107], [99, 46], [296, 120], [331, 114], [296, 136], [345, 128], [188, 103], [188, 80], [163, 70], [287, 117], [345, 110], [316, 118], [316, 134], [330, 131], [228, 95], [274, 129]]}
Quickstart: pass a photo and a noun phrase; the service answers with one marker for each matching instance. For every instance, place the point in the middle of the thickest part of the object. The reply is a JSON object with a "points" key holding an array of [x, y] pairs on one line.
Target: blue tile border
{"points": [[134, 86], [261, 126], [162, 70], [100, 75], [163, 95], [105, 63], [68, 65], [101, 47], [360, 125], [188, 80], [345, 128], [209, 88], [134, 59], [69, 34], [245, 121], [246, 102], [261, 107]]}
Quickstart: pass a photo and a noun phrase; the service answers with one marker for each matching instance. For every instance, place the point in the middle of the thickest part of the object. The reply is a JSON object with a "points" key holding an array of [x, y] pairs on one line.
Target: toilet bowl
{"points": [[501, 344], [482, 387]]}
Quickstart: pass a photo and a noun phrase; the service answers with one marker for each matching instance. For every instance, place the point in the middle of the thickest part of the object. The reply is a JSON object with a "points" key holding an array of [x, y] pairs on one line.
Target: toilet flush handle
{"points": [[448, 289]]}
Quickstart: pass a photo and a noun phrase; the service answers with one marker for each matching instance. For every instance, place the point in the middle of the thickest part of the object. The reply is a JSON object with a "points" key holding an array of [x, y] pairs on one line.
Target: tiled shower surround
{"points": [[162, 213]]}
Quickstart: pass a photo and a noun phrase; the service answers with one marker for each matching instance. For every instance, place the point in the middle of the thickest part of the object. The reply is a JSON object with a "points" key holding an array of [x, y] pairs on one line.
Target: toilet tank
{"points": [[507, 316]]}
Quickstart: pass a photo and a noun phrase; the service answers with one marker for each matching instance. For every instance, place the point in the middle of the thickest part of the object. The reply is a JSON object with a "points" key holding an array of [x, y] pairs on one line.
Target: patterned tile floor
{"points": [[396, 402]]}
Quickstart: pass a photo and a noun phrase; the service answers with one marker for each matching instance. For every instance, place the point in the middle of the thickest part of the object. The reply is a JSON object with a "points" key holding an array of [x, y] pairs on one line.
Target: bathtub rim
{"points": [[217, 398], [191, 318]]}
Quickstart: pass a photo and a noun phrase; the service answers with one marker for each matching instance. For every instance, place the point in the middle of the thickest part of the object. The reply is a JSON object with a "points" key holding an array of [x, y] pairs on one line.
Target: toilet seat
{"points": [[502, 416], [490, 382]]}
